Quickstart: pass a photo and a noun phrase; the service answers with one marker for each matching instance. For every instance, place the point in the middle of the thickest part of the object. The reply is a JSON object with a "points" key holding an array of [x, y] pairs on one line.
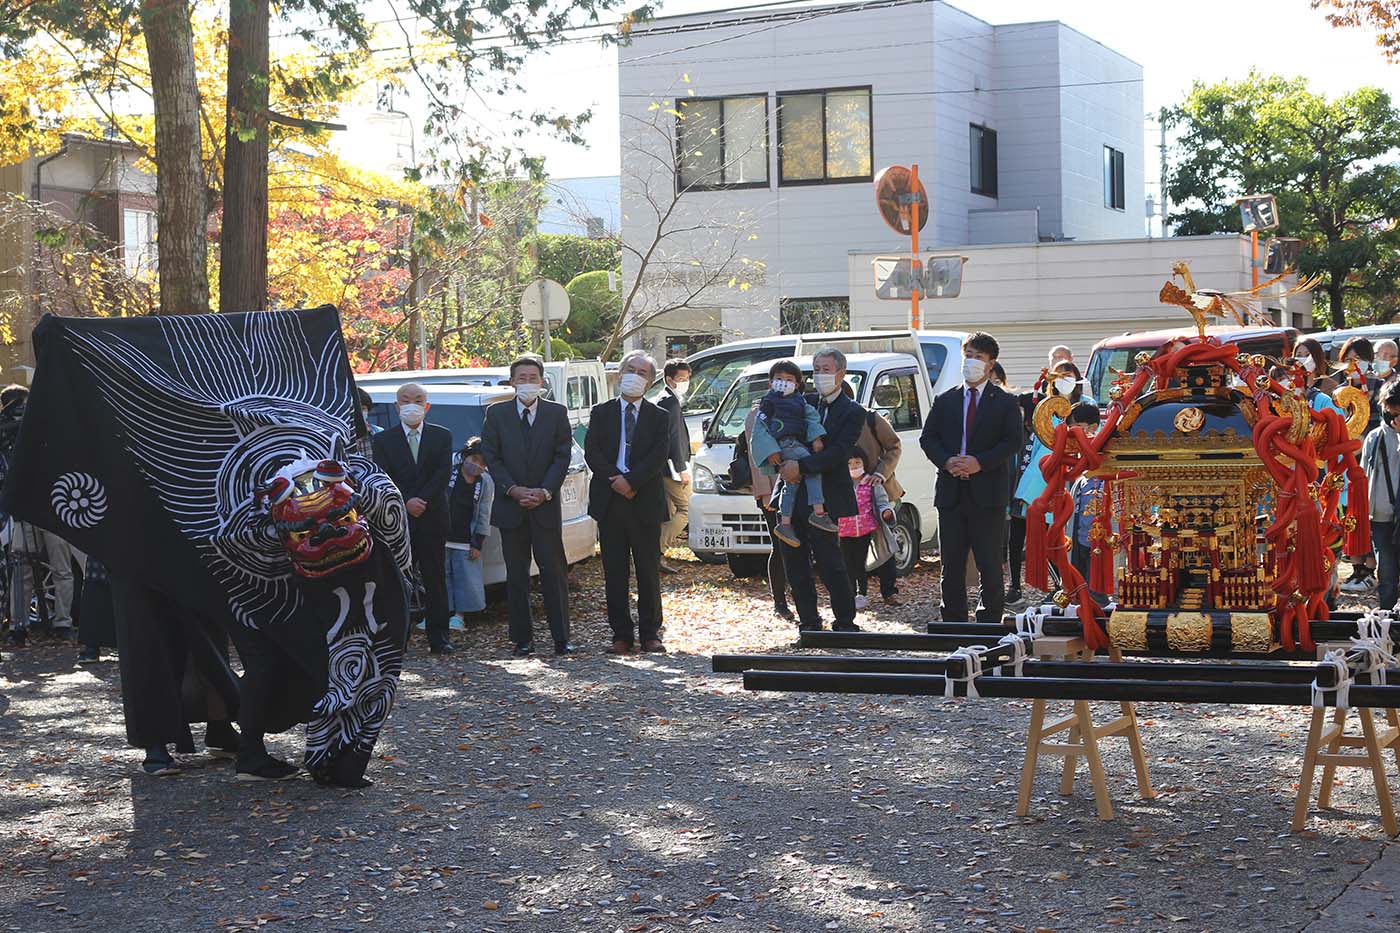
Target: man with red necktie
{"points": [[973, 434]]}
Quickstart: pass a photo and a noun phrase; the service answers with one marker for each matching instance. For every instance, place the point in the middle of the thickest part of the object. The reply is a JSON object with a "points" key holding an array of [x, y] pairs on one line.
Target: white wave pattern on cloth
{"points": [[363, 679], [241, 396]]}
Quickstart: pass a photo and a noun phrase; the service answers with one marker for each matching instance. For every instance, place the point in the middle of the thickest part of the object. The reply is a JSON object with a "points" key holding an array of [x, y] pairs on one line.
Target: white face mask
{"points": [[857, 472], [681, 388], [826, 383], [973, 370], [1307, 362], [412, 414], [1065, 385], [632, 385], [783, 386], [527, 392], [1363, 367], [1381, 368]]}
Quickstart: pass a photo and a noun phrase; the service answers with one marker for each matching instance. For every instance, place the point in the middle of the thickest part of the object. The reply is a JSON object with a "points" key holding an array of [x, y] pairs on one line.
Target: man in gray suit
{"points": [[527, 446]]}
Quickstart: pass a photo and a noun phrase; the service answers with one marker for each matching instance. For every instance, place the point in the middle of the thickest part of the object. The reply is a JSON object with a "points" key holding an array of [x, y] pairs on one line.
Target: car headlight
{"points": [[702, 478]]}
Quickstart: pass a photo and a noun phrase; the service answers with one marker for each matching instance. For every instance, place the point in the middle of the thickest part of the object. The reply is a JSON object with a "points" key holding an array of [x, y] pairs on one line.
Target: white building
{"points": [[1030, 132]]}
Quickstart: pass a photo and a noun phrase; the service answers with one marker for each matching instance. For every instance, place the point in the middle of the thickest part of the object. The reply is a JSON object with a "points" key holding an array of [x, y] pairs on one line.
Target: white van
{"points": [[462, 410], [726, 523], [713, 370], [578, 384]]}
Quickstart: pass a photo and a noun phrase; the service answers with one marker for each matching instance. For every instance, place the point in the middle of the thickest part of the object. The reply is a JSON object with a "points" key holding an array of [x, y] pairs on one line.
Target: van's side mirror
{"points": [[705, 426]]}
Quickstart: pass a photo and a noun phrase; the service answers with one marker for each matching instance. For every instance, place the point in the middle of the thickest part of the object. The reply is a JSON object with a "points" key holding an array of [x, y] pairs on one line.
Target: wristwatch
{"points": [[548, 496]]}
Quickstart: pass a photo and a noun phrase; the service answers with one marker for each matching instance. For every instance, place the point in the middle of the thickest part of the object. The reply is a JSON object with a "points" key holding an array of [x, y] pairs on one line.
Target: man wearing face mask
{"points": [[676, 481], [418, 458], [843, 420], [527, 447], [972, 435], [1387, 353], [627, 448]]}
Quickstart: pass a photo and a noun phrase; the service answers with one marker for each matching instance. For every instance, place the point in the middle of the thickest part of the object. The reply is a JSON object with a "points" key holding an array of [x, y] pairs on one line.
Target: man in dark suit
{"points": [[418, 458], [843, 420], [973, 435], [676, 481], [527, 447], [628, 443]]}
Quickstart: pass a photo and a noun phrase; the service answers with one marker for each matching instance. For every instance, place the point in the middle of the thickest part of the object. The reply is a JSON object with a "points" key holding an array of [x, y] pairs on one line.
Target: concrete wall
{"points": [[1031, 297]]}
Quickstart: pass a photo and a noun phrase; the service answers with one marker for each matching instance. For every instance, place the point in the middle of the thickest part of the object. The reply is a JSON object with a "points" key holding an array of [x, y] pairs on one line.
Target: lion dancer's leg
{"points": [[365, 613], [262, 691]]}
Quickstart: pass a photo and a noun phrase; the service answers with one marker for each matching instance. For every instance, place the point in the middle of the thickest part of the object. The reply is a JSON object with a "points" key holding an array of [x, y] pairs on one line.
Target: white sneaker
{"points": [[1356, 586], [861, 602]]}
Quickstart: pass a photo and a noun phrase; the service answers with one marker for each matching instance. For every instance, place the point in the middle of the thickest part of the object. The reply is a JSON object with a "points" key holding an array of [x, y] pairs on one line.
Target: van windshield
{"points": [[728, 422], [464, 421], [712, 376]]}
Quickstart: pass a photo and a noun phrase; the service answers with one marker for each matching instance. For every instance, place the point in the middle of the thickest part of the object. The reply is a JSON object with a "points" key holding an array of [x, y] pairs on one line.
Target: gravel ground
{"points": [[649, 794]]}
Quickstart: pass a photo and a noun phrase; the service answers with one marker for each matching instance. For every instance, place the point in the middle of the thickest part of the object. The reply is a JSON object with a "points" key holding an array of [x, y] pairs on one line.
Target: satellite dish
{"points": [[898, 198]]}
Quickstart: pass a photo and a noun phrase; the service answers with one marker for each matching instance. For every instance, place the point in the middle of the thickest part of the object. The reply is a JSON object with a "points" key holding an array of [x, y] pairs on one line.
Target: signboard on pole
{"points": [[1258, 212], [544, 304], [897, 277]]}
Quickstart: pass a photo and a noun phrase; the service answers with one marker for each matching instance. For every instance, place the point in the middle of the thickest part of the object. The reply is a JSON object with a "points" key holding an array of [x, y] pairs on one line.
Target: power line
{"points": [[993, 90]]}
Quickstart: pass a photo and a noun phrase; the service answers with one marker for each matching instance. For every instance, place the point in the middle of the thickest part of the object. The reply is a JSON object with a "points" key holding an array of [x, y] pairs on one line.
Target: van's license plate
{"points": [[570, 494], [716, 539]]}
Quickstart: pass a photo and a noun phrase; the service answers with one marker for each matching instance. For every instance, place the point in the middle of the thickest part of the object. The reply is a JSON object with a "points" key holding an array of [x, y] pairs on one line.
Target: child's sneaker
{"points": [[784, 533], [823, 522]]}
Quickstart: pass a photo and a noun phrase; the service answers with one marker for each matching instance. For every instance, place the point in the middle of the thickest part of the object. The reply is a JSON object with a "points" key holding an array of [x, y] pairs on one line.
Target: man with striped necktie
{"points": [[628, 443]]}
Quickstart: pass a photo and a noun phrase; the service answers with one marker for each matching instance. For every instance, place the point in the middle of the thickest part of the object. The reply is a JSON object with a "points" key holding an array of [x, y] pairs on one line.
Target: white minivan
{"points": [[714, 369], [725, 524], [462, 410]]}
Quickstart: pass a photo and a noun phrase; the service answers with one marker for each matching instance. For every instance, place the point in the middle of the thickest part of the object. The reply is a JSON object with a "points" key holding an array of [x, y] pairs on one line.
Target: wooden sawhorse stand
{"points": [[1325, 744], [1083, 738]]}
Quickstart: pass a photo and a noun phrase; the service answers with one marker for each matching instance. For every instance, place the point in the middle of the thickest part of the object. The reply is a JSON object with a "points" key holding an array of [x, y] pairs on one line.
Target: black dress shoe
{"points": [[783, 612], [442, 647], [523, 650], [269, 769], [564, 648], [849, 627], [158, 762]]}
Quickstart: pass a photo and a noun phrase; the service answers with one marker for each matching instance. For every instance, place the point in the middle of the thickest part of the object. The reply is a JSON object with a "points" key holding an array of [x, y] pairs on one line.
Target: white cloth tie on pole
{"points": [[973, 665]]}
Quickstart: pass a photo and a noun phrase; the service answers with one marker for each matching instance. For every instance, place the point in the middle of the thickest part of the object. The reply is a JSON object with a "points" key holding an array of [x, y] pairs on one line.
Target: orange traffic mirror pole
{"points": [[915, 209]]}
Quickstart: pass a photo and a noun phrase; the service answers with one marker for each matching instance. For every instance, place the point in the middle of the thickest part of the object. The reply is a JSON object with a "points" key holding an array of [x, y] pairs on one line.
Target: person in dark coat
{"points": [[418, 458], [627, 448], [843, 421], [676, 480], [527, 446], [973, 435]]}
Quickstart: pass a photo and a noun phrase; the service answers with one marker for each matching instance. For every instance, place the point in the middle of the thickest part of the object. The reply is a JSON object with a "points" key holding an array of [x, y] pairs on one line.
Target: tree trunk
{"points": [[1335, 284], [182, 241], [243, 239]]}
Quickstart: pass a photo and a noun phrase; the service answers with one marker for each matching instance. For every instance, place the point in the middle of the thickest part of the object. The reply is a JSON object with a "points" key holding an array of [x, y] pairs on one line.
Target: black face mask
{"points": [[1391, 418]]}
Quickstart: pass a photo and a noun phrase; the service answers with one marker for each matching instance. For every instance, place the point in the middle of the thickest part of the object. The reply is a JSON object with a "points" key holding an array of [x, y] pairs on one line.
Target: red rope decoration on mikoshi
{"points": [[1306, 523]]}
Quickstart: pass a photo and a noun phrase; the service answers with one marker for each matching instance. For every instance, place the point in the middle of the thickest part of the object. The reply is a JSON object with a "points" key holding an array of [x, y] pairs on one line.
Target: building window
{"points": [[982, 153], [722, 143], [814, 315], [1113, 194], [824, 136], [139, 241]]}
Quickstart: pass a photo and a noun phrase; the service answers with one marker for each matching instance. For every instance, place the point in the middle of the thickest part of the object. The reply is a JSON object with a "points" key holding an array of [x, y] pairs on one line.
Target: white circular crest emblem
{"points": [[79, 500]]}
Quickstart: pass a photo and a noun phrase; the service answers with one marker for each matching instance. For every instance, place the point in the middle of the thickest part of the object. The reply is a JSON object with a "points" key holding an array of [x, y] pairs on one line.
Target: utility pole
{"points": [[1162, 167]]}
